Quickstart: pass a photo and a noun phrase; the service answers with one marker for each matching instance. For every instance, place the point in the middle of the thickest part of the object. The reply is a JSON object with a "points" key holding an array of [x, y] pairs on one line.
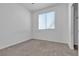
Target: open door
{"points": [[75, 27]]}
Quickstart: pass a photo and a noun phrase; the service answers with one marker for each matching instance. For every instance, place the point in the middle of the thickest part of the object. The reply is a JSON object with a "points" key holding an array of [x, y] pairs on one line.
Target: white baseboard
{"points": [[14, 43], [52, 41], [25, 40]]}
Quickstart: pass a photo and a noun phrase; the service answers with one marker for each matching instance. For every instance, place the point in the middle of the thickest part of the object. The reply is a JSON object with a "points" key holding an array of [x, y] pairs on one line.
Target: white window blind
{"points": [[46, 20]]}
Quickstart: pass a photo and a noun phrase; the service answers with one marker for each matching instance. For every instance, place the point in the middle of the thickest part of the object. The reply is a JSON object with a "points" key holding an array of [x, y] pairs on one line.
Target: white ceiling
{"points": [[36, 6]]}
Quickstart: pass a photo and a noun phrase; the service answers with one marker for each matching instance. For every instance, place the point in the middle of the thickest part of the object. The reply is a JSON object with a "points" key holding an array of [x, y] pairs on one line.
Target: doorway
{"points": [[75, 25]]}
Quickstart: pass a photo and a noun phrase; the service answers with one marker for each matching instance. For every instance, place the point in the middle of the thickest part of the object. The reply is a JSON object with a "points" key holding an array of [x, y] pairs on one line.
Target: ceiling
{"points": [[36, 6]]}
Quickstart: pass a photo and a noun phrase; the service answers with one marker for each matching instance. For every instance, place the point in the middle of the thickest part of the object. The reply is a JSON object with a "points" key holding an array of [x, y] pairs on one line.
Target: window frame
{"points": [[43, 13]]}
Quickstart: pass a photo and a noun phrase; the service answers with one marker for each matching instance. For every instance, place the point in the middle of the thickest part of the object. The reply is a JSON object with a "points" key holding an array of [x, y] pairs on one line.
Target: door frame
{"points": [[70, 17]]}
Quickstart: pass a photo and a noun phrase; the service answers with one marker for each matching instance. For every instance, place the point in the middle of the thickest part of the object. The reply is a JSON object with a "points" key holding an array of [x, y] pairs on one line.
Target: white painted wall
{"points": [[14, 24], [60, 33], [78, 29]]}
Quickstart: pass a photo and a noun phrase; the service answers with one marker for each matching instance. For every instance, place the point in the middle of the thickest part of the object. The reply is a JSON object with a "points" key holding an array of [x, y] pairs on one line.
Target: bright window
{"points": [[46, 20]]}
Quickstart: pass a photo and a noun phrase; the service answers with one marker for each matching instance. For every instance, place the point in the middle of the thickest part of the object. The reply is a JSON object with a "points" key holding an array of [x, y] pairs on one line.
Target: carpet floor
{"points": [[38, 48]]}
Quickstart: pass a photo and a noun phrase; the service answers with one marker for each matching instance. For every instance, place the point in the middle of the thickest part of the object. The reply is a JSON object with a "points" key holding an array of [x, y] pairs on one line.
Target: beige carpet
{"points": [[38, 48]]}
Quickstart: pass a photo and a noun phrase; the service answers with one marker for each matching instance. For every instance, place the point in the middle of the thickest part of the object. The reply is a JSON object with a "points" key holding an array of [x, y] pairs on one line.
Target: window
{"points": [[46, 20]]}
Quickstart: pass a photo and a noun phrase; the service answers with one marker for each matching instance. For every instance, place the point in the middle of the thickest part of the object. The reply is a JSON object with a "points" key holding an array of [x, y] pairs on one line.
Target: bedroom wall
{"points": [[60, 33], [15, 26]]}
